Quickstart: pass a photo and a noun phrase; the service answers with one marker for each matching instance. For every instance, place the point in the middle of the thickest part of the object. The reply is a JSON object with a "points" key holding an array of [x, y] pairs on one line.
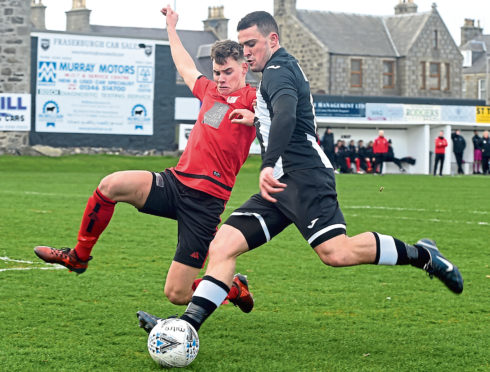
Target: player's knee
{"points": [[177, 296], [108, 185], [332, 253], [218, 250]]}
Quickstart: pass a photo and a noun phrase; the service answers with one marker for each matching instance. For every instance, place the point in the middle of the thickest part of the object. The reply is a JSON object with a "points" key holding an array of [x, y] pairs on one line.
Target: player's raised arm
{"points": [[183, 61]]}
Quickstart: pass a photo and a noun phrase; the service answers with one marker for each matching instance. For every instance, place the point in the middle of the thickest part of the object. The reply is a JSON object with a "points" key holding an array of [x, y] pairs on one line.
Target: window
{"points": [[482, 89], [423, 75], [388, 74], [356, 73], [435, 42], [448, 76], [468, 56], [435, 76]]}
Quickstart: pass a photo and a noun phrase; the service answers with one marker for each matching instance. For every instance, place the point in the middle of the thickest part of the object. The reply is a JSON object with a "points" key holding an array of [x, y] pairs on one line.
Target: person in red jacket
{"points": [[380, 149], [441, 145]]}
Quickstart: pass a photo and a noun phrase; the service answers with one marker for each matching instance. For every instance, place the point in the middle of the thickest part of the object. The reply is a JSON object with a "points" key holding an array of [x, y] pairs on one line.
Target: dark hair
{"points": [[263, 20], [223, 49]]}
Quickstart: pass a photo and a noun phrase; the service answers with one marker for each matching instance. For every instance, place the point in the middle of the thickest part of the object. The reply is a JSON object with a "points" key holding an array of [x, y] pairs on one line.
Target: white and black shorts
{"points": [[309, 201], [197, 213]]}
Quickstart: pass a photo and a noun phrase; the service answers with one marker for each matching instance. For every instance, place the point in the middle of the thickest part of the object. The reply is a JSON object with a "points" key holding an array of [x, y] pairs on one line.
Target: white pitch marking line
{"points": [[406, 209], [47, 266], [427, 219], [12, 260], [54, 267]]}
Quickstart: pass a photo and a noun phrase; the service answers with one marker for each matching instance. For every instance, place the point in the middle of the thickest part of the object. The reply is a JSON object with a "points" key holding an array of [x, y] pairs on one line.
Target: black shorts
{"points": [[309, 201], [197, 213]]}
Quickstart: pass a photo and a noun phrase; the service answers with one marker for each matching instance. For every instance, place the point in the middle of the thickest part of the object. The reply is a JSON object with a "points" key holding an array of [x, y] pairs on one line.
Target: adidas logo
{"points": [[195, 255]]}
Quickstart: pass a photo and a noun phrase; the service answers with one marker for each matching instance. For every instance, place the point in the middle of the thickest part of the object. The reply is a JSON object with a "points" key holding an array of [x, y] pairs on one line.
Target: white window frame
{"points": [[482, 89]]}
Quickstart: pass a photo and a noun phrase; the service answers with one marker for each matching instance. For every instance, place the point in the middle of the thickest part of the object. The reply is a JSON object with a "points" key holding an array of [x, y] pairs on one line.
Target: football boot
{"points": [[66, 257], [441, 267], [244, 300]]}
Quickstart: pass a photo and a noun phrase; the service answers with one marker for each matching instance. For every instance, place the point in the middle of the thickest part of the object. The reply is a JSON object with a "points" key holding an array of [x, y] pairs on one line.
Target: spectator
{"points": [[390, 157], [477, 154], [440, 150], [364, 157], [459, 145], [370, 154], [354, 156], [328, 145], [380, 149], [485, 152], [341, 156]]}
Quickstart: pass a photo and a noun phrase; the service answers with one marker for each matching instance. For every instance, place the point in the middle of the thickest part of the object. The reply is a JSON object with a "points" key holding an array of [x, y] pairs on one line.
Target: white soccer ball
{"points": [[173, 343]]}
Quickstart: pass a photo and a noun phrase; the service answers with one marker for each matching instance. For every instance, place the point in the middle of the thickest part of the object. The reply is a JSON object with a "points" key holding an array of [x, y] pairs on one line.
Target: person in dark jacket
{"points": [[459, 145], [477, 154], [328, 145], [485, 149], [390, 157], [364, 157]]}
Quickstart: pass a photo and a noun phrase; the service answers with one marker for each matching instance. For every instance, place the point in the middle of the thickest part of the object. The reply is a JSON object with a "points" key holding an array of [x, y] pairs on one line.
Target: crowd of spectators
{"points": [[359, 157]]}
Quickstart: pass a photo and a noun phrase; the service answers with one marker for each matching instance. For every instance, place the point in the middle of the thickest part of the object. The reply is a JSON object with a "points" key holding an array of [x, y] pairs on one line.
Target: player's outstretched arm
{"points": [[183, 61]]}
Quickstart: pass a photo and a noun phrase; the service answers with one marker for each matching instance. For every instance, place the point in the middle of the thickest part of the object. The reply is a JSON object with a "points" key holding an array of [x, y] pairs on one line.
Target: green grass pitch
{"points": [[308, 317]]}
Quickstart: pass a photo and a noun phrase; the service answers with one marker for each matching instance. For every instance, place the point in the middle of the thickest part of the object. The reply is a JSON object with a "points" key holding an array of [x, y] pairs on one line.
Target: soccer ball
{"points": [[173, 343]]}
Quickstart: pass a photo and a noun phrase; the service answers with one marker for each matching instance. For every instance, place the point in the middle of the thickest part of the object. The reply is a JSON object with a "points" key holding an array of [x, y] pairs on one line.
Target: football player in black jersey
{"points": [[297, 185]]}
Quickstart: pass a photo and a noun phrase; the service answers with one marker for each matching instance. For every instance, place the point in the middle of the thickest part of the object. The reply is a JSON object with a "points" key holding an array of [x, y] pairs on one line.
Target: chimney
{"points": [[38, 15], [216, 22], [78, 18], [284, 7], [469, 31], [405, 7]]}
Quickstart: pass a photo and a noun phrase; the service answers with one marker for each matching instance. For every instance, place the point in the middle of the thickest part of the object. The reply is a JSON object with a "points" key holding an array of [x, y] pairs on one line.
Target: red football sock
{"points": [[358, 165], [347, 161], [96, 217]]}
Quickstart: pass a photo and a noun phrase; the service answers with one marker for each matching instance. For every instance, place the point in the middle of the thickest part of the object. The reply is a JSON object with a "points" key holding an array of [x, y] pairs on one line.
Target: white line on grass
{"points": [[46, 266], [426, 219], [406, 209]]}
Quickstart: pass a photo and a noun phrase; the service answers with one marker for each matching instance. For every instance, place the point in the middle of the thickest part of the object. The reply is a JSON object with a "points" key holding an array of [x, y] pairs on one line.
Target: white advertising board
{"points": [[185, 131], [15, 112], [89, 84]]}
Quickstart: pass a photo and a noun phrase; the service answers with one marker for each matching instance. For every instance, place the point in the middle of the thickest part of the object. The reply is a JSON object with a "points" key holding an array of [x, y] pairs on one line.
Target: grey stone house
{"points": [[475, 47], [409, 54]]}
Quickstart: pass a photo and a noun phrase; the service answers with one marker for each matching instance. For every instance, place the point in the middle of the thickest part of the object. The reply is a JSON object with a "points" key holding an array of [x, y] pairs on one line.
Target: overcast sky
{"points": [[145, 13]]}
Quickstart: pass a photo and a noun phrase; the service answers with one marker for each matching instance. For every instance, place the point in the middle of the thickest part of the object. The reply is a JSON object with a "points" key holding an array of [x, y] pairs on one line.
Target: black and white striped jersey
{"points": [[286, 125]]}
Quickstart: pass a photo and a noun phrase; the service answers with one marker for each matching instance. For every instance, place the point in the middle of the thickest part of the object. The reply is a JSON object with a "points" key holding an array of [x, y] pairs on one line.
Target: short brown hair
{"points": [[223, 49]]}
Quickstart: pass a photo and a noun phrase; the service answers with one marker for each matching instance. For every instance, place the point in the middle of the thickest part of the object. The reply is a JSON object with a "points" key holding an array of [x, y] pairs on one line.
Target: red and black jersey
{"points": [[216, 148]]}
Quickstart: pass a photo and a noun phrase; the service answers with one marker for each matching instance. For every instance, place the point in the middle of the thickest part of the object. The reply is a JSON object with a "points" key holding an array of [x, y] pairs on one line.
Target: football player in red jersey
{"points": [[195, 191]]}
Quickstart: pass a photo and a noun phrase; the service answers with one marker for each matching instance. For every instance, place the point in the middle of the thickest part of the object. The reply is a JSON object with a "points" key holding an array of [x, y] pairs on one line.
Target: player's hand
{"points": [[242, 116], [269, 185], [171, 15]]}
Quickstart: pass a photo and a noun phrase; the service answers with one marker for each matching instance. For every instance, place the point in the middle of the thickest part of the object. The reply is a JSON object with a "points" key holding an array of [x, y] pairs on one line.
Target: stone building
{"points": [[475, 47], [409, 54], [15, 45]]}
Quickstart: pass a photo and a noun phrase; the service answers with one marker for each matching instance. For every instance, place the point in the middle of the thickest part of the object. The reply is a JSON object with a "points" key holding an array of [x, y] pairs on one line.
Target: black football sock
{"points": [[391, 251], [209, 294]]}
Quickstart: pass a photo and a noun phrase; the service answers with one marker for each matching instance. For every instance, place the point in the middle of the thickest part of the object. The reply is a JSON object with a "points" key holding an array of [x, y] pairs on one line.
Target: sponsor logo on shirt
{"points": [[274, 67], [232, 99]]}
